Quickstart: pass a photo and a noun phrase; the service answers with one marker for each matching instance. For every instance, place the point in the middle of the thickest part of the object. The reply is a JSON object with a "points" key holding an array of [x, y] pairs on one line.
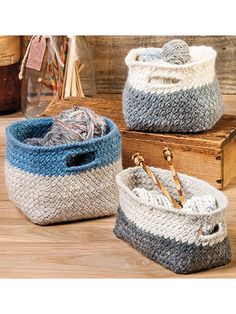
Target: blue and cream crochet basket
{"points": [[44, 184], [175, 238], [163, 97]]}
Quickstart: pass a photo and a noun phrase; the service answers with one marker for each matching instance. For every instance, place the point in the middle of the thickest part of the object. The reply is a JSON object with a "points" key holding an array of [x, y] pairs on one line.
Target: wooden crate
{"points": [[210, 156]]}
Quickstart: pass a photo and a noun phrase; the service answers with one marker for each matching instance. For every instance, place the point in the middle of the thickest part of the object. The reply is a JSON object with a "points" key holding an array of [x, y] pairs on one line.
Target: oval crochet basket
{"points": [[172, 236], [63, 182], [164, 97]]}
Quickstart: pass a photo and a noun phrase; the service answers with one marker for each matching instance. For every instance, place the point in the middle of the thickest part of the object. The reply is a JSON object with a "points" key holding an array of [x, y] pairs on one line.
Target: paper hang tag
{"points": [[36, 53]]}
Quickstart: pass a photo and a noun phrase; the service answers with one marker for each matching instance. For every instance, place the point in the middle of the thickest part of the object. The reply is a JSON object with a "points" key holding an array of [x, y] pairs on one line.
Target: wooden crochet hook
{"points": [[169, 157], [139, 161]]}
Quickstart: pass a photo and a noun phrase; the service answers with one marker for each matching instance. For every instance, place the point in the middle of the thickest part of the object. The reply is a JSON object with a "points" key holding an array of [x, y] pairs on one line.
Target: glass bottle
{"points": [[39, 91], [35, 93], [10, 50]]}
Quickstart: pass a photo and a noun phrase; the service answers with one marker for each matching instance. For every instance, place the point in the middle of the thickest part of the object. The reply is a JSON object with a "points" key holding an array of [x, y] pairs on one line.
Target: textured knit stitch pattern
{"points": [[171, 236], [42, 185], [164, 97]]}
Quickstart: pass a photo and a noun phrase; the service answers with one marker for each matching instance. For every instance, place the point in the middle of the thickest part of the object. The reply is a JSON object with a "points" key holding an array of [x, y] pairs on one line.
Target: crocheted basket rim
{"points": [[123, 186], [199, 56], [13, 127]]}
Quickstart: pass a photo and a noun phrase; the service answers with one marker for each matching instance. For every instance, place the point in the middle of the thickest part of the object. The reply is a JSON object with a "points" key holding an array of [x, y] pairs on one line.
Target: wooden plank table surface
{"points": [[85, 249]]}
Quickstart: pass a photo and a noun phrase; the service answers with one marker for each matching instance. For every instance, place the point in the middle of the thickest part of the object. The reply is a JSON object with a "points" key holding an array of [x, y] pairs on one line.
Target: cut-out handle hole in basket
{"points": [[163, 80], [77, 160], [210, 230]]}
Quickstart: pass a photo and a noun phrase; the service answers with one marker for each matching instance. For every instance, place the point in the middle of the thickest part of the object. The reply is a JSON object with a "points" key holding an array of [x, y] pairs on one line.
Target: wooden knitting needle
{"points": [[139, 161], [169, 156], [78, 68]]}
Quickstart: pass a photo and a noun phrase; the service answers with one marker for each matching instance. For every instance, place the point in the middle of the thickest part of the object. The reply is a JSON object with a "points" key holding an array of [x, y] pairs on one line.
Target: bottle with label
{"points": [[10, 50], [55, 67], [36, 89]]}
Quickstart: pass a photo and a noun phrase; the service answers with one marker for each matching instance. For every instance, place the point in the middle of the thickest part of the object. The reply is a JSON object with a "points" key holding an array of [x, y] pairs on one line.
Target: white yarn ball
{"points": [[202, 204], [196, 204], [154, 197], [150, 54]]}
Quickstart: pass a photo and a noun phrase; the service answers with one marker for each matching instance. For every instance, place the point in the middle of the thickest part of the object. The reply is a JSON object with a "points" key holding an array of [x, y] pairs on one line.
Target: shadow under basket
{"points": [[52, 184], [172, 236]]}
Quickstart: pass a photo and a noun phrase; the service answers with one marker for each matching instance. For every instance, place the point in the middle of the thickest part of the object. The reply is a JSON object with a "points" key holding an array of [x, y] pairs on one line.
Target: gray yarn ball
{"points": [[176, 51], [74, 125], [150, 54]]}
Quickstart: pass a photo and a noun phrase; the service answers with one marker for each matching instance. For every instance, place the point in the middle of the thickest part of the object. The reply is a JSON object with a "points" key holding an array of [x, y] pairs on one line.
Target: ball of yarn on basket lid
{"points": [[176, 51], [74, 125]]}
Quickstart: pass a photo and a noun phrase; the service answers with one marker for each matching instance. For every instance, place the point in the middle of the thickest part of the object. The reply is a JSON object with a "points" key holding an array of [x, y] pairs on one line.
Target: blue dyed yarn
{"points": [[51, 160]]}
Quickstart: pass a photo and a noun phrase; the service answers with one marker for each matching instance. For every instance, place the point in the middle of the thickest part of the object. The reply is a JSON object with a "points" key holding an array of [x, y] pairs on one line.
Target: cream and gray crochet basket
{"points": [[48, 187], [172, 237], [160, 96]]}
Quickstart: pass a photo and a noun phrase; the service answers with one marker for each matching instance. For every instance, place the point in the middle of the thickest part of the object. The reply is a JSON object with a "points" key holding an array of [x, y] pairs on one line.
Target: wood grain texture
{"points": [[109, 53], [229, 161], [198, 155], [86, 249]]}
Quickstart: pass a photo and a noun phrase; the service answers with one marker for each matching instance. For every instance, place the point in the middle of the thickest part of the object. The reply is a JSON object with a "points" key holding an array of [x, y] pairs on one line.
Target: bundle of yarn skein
{"points": [[175, 51], [74, 125]]}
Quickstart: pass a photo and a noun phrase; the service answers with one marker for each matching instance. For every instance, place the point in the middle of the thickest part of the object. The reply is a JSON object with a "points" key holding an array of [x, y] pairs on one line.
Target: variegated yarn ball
{"points": [[74, 125], [176, 51]]}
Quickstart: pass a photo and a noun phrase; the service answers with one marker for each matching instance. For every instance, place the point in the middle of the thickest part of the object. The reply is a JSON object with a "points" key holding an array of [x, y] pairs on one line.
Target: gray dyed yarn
{"points": [[179, 257], [74, 125], [150, 54], [169, 236], [176, 51], [191, 110]]}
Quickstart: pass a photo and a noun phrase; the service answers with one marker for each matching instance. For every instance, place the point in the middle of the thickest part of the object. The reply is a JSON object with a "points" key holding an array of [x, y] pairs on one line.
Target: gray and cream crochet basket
{"points": [[48, 187], [172, 237], [160, 96]]}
